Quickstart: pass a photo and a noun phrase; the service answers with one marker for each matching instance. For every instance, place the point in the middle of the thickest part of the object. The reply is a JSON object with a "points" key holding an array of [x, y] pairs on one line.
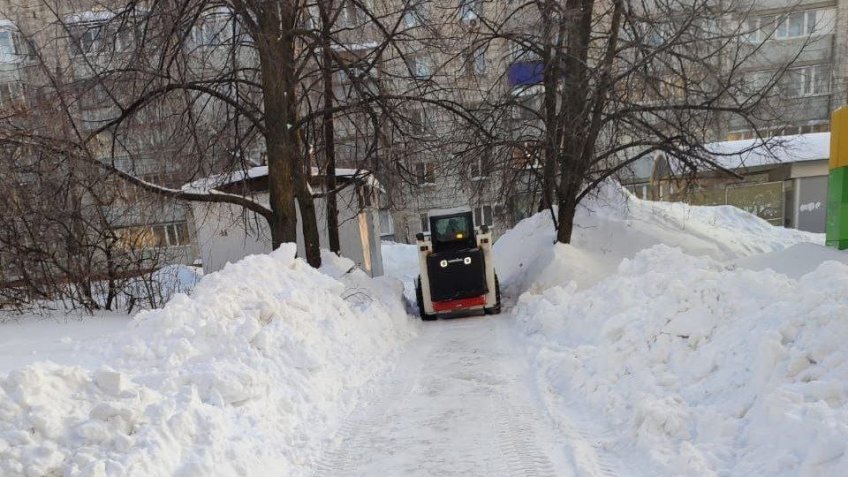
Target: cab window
{"points": [[448, 229]]}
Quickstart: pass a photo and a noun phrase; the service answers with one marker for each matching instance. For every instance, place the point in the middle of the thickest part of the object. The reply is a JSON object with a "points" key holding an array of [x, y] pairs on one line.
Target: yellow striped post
{"points": [[837, 184]]}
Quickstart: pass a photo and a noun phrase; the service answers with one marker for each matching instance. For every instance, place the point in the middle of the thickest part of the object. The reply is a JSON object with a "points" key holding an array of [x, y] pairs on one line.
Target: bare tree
{"points": [[600, 85], [216, 82]]}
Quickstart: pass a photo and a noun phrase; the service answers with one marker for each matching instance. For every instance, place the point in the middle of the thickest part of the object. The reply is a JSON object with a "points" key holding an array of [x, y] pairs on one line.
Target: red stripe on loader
{"points": [[449, 305]]}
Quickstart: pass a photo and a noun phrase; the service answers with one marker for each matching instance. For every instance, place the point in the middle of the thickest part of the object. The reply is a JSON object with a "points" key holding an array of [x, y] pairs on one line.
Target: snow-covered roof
{"points": [[100, 16], [368, 45], [219, 180], [90, 16], [206, 184], [776, 150]]}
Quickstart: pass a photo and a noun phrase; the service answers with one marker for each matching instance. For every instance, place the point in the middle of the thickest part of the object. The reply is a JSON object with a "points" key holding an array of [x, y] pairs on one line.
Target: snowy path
{"points": [[459, 402]]}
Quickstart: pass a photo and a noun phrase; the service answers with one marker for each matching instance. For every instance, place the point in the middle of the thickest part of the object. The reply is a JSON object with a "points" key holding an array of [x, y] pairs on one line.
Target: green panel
{"points": [[765, 200], [716, 196], [837, 208]]}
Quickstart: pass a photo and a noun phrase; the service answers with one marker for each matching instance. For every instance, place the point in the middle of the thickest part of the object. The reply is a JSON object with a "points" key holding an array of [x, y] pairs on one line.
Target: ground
{"points": [[460, 402], [666, 340]]}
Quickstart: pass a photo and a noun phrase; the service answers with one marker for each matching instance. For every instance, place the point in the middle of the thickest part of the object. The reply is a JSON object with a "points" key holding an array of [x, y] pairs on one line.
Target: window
{"points": [[454, 228], [483, 215], [470, 10], [101, 37], [750, 30], [479, 62], [519, 52], [419, 67], [90, 39], [806, 81], [792, 25], [212, 30], [361, 73], [477, 169], [425, 223], [13, 45], [387, 224], [425, 173], [524, 112], [739, 135], [421, 122], [351, 15], [413, 14], [171, 235], [10, 93], [7, 45], [815, 128]]}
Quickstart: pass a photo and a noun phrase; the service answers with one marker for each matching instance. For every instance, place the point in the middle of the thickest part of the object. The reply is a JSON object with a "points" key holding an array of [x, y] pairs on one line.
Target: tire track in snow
{"points": [[516, 433], [456, 405]]}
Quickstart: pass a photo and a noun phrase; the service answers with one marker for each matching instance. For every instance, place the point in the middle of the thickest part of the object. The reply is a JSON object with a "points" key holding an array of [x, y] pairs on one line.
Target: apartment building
{"points": [[806, 34], [50, 54]]}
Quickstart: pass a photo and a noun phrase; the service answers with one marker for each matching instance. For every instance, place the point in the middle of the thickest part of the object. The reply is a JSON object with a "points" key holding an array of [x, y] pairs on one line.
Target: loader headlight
{"points": [[467, 261], [443, 264]]}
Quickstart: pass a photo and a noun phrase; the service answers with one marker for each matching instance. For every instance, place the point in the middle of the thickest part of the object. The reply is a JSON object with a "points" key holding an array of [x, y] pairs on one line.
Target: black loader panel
{"points": [[457, 274]]}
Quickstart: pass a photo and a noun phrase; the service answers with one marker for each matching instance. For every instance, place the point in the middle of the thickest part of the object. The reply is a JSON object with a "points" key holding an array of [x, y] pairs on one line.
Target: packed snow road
{"points": [[459, 402]]}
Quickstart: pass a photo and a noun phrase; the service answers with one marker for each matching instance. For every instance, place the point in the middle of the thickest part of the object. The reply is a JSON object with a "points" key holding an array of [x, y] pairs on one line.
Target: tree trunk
{"points": [[329, 131], [574, 157], [565, 217], [276, 58], [311, 241]]}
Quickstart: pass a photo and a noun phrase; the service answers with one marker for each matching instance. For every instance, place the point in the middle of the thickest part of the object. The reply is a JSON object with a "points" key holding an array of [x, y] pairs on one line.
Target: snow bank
{"points": [[667, 325], [244, 377], [400, 261], [615, 225], [794, 261], [709, 371]]}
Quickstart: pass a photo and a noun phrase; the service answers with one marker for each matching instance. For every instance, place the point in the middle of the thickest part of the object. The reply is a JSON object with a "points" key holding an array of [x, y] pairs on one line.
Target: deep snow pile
{"points": [[614, 225], [696, 366], [242, 378], [400, 261]]}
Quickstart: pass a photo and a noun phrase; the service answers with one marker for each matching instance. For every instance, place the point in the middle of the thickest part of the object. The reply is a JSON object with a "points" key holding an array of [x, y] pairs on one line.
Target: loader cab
{"points": [[452, 232]]}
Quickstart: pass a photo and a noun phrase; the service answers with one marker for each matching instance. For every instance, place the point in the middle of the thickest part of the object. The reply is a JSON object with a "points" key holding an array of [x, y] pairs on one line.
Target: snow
{"points": [[368, 45], [400, 261], [699, 340], [61, 338], [615, 225], [666, 340], [206, 184], [756, 152], [90, 17], [243, 377], [795, 261]]}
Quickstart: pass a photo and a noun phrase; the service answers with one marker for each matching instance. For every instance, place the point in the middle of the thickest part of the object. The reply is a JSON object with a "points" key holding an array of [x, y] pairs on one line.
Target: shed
{"points": [[228, 233]]}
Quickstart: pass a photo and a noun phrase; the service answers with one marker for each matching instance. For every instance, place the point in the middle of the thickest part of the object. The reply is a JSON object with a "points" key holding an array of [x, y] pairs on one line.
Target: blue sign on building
{"points": [[525, 73]]}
